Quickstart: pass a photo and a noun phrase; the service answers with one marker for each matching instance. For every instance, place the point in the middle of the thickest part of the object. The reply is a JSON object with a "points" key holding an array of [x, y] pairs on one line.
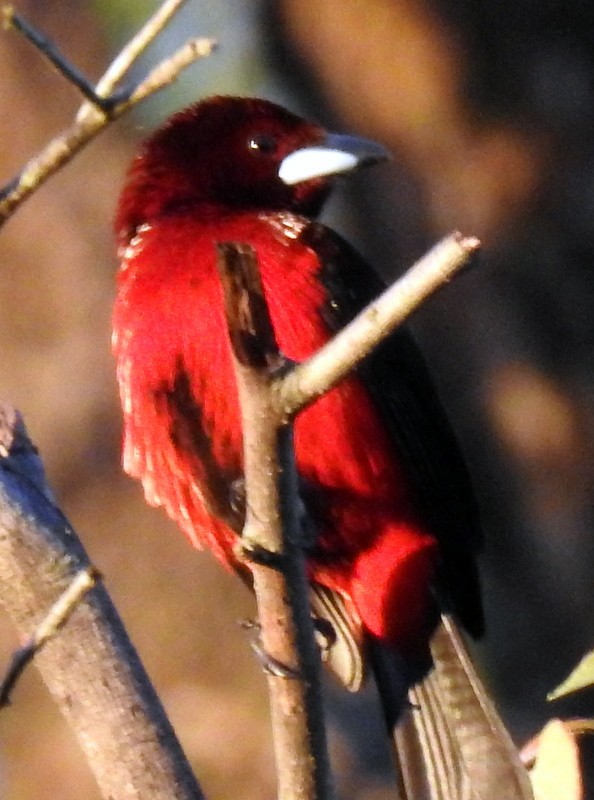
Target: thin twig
{"points": [[91, 669], [56, 618], [167, 71], [272, 526], [51, 52], [131, 52], [350, 346], [92, 120]]}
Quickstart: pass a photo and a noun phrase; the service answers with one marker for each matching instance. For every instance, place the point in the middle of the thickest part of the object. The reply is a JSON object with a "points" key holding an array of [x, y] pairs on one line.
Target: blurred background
{"points": [[488, 107]]}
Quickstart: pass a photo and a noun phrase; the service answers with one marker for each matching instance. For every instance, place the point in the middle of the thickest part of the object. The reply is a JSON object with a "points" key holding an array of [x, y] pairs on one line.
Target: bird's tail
{"points": [[450, 743]]}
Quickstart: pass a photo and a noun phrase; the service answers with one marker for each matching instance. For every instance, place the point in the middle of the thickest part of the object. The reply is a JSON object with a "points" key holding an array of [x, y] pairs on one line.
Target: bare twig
{"points": [[91, 669], [272, 538], [336, 359], [55, 619], [91, 120], [130, 53], [51, 52], [167, 71]]}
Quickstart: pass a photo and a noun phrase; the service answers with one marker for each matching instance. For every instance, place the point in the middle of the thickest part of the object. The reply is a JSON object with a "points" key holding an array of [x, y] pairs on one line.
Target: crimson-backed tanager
{"points": [[391, 519]]}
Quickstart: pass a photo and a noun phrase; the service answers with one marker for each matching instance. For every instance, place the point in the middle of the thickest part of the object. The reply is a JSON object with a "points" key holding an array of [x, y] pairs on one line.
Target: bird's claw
{"points": [[270, 665], [237, 496], [256, 554]]}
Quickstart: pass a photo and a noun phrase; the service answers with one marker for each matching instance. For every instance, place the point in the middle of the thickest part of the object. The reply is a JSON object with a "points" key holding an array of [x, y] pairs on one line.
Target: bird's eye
{"points": [[263, 144]]}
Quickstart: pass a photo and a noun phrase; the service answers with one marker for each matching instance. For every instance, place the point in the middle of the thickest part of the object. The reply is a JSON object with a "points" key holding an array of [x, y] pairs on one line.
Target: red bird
{"points": [[385, 489]]}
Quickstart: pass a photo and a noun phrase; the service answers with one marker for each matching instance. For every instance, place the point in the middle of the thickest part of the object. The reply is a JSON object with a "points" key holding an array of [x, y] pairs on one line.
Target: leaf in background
{"points": [[581, 677], [556, 773]]}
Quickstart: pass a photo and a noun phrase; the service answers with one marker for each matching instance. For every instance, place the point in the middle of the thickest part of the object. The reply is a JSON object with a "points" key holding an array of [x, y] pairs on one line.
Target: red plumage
{"points": [[211, 175]]}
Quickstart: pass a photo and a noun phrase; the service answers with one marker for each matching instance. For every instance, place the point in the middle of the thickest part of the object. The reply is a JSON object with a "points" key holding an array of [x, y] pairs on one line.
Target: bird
{"points": [[392, 525]]}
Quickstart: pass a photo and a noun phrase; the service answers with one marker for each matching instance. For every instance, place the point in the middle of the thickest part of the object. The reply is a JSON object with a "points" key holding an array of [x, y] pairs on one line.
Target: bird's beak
{"points": [[332, 156]]}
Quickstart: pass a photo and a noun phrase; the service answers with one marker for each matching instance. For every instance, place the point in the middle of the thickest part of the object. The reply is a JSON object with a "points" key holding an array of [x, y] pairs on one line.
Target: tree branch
{"points": [[91, 120], [130, 53], [272, 526], [91, 669], [350, 346], [272, 539], [50, 626]]}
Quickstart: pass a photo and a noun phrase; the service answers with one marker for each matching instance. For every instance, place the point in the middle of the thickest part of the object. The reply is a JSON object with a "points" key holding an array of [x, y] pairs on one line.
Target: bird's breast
{"points": [[182, 423]]}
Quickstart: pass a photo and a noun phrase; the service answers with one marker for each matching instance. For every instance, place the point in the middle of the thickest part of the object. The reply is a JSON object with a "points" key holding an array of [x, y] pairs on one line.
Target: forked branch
{"points": [[104, 105]]}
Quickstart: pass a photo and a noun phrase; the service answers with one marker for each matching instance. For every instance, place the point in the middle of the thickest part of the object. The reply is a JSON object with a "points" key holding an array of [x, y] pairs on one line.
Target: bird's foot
{"points": [[256, 554], [237, 497], [270, 665]]}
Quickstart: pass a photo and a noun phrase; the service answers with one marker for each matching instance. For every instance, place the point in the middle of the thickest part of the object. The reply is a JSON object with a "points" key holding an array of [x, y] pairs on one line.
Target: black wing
{"points": [[396, 377]]}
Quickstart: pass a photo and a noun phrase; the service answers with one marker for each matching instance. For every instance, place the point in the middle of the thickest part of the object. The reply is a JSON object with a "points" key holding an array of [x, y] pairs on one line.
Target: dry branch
{"points": [[91, 120], [354, 342], [91, 669], [50, 626], [130, 53], [272, 540], [272, 525]]}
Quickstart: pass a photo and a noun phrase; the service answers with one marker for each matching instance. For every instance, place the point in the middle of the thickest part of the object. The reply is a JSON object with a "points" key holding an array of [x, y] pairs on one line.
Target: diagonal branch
{"points": [[268, 404], [91, 669], [91, 120], [50, 626], [13, 20], [130, 53], [350, 346]]}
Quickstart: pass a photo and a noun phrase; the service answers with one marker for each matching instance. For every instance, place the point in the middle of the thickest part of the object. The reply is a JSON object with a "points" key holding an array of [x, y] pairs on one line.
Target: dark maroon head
{"points": [[230, 153]]}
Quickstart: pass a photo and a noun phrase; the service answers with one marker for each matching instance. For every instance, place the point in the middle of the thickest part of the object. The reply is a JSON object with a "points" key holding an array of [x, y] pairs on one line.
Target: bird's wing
{"points": [[396, 377], [450, 743]]}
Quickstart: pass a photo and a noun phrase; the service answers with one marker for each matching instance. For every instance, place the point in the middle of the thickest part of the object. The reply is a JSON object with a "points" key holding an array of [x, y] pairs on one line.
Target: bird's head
{"points": [[228, 153]]}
